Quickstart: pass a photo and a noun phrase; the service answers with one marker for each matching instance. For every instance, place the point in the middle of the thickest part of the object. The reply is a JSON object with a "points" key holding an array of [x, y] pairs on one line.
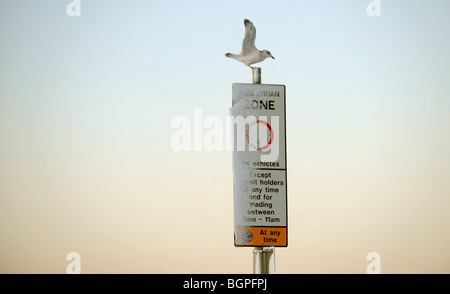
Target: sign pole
{"points": [[259, 169], [263, 257], [256, 75]]}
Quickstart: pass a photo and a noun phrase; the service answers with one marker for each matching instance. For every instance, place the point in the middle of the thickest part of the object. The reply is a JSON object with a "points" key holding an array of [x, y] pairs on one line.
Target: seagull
{"points": [[249, 54]]}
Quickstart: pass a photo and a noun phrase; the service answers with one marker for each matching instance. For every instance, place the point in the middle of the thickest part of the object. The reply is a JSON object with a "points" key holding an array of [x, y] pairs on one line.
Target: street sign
{"points": [[259, 165]]}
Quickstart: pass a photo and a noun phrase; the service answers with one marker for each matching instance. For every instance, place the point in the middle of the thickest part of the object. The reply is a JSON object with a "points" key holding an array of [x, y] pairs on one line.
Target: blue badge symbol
{"points": [[246, 236]]}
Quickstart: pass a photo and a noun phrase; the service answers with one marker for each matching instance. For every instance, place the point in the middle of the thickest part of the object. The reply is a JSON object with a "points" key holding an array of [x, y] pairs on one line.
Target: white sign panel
{"points": [[259, 165]]}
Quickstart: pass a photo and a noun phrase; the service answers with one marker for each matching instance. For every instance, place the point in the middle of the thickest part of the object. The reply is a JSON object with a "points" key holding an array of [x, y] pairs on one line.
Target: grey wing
{"points": [[248, 44]]}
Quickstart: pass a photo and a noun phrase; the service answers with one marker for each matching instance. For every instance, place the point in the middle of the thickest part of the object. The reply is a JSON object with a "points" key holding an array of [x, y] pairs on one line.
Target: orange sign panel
{"points": [[261, 236]]}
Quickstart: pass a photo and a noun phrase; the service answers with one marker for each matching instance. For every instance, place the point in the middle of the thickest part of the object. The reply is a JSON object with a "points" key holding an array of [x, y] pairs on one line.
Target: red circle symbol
{"points": [[271, 135]]}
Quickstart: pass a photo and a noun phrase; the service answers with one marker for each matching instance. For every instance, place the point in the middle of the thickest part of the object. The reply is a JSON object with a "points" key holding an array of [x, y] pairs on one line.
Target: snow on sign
{"points": [[259, 165]]}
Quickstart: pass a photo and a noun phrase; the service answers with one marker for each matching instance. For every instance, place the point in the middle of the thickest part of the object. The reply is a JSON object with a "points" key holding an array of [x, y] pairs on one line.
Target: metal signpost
{"points": [[260, 188]]}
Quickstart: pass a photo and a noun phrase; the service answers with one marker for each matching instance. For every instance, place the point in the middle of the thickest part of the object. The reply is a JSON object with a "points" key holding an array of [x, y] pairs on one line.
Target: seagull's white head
{"points": [[265, 54]]}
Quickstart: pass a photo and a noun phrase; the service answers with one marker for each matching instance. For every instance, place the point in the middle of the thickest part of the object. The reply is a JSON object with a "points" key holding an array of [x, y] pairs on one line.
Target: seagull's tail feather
{"points": [[231, 55]]}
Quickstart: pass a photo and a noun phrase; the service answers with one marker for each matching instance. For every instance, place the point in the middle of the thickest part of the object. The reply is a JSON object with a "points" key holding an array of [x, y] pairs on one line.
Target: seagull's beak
{"points": [[272, 57]]}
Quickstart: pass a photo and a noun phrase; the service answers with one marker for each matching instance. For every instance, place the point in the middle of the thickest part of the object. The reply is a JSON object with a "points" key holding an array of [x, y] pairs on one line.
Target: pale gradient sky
{"points": [[86, 163]]}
